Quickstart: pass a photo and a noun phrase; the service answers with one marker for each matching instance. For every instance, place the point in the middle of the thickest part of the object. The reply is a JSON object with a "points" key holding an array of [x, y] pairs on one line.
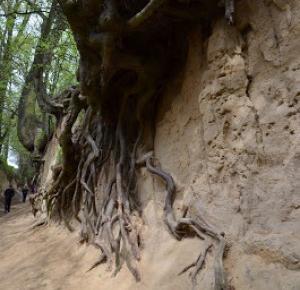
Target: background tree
{"points": [[27, 48]]}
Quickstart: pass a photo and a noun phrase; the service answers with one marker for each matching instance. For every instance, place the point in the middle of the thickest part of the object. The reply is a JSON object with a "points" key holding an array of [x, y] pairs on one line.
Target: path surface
{"points": [[50, 258], [42, 258]]}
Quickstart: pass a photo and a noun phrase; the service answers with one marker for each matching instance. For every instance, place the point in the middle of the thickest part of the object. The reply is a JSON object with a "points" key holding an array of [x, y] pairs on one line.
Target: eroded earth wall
{"points": [[229, 133]]}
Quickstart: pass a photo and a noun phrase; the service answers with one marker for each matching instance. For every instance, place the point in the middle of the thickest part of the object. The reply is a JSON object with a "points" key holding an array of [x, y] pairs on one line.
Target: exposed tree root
{"points": [[126, 51], [98, 262], [109, 224], [181, 226], [198, 264], [39, 223]]}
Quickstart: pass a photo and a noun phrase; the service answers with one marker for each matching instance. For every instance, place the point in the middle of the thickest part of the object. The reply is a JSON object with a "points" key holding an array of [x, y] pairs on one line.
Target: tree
{"points": [[34, 86], [5, 63], [21, 33], [126, 51]]}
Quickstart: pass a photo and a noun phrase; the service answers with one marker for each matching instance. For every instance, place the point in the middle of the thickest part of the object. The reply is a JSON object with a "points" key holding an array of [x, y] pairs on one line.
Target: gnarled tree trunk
{"points": [[126, 51]]}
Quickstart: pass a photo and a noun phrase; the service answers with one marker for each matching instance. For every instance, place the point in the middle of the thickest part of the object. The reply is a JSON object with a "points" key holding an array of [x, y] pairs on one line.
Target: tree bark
{"points": [[6, 62], [34, 86]]}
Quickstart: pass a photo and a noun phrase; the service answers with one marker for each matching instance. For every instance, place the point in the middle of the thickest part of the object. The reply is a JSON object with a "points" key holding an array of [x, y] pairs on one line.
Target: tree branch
{"points": [[145, 13], [39, 12]]}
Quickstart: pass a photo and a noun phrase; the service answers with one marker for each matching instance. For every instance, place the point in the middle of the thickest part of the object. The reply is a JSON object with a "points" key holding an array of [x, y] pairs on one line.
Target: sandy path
{"points": [[41, 258], [50, 258]]}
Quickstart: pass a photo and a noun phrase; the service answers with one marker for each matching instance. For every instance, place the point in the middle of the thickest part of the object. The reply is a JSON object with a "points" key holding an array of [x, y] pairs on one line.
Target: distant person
{"points": [[32, 188], [24, 192], [8, 195]]}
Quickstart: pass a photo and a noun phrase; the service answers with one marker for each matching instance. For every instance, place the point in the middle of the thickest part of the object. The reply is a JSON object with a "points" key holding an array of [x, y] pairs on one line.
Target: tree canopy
{"points": [[37, 56]]}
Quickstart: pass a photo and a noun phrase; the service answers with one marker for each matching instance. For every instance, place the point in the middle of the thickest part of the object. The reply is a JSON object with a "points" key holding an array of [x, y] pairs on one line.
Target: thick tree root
{"points": [[109, 224]]}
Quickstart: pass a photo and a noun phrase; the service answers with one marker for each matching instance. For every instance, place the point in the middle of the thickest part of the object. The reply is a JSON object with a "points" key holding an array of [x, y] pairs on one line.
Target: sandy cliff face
{"points": [[228, 131], [230, 135]]}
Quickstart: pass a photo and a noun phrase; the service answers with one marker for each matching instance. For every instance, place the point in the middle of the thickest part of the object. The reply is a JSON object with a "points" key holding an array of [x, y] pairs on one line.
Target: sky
{"points": [[12, 159]]}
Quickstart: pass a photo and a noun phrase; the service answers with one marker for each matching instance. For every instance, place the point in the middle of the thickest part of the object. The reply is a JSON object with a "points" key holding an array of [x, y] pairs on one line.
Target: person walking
{"points": [[8, 195], [24, 192]]}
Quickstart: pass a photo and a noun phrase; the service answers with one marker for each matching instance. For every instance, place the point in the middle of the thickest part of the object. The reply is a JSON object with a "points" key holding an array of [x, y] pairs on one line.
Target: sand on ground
{"points": [[49, 257]]}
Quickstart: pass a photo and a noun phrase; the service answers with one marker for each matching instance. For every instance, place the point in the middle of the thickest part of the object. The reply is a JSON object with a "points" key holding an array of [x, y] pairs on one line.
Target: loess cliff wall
{"points": [[229, 133]]}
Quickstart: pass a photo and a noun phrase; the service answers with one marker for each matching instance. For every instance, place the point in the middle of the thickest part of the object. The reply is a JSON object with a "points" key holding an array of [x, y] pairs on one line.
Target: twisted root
{"points": [[179, 227]]}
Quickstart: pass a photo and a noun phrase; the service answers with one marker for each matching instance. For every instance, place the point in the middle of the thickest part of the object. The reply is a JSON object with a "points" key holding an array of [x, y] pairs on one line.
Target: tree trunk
{"points": [[5, 61], [35, 87], [126, 51], [6, 67]]}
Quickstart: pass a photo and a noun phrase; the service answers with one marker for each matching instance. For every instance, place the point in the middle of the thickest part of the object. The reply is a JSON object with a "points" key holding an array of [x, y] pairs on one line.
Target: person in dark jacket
{"points": [[8, 195], [24, 192]]}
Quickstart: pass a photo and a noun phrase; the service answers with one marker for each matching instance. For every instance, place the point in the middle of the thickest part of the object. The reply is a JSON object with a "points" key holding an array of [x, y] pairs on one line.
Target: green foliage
{"points": [[17, 52], [10, 171]]}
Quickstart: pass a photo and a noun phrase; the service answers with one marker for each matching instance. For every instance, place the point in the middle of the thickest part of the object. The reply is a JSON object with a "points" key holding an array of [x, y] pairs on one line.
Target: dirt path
{"points": [[41, 258], [50, 258]]}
